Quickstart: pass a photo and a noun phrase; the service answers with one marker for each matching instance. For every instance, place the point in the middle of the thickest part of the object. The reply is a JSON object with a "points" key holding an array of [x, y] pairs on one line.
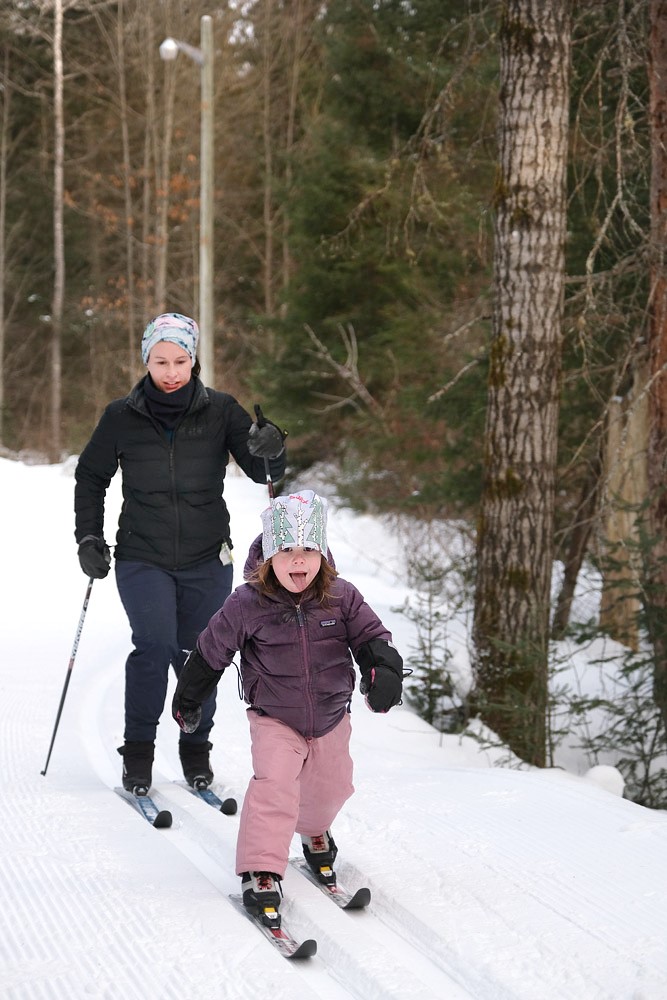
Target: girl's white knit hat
{"points": [[297, 520]]}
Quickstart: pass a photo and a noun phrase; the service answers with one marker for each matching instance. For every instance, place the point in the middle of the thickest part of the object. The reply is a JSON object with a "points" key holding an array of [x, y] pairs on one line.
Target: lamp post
{"points": [[203, 56]]}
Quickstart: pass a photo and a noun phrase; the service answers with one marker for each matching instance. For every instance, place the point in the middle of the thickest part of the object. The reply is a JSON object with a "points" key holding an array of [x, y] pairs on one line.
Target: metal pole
{"points": [[269, 480], [206, 209], [69, 669]]}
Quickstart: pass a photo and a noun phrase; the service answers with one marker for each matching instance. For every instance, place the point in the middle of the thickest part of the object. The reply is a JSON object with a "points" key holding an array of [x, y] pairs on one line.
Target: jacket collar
{"points": [[137, 396]]}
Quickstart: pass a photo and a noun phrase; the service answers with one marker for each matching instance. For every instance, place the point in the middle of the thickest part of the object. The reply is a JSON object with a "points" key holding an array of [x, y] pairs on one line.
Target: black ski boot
{"points": [[137, 765], [262, 893], [320, 853], [196, 764]]}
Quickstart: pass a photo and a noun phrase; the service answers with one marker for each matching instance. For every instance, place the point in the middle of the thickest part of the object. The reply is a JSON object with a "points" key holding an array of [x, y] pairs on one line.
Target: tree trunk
{"points": [[267, 64], [626, 489], [578, 543], [4, 154], [657, 445], [127, 195], [163, 195], [293, 97], [515, 535], [148, 265], [58, 234]]}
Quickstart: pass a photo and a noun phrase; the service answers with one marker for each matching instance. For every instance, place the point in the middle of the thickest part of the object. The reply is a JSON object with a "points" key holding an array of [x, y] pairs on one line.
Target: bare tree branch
{"points": [[348, 371], [452, 382]]}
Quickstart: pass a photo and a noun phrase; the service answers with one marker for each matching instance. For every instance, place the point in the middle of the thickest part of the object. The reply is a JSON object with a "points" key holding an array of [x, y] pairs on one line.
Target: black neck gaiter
{"points": [[168, 407]]}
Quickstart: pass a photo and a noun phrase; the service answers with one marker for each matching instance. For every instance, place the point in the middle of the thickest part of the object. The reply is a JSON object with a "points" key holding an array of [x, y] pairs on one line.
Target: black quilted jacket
{"points": [[173, 514]]}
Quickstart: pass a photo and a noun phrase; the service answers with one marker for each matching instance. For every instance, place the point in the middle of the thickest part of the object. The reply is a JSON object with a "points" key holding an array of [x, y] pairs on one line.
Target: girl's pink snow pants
{"points": [[298, 785]]}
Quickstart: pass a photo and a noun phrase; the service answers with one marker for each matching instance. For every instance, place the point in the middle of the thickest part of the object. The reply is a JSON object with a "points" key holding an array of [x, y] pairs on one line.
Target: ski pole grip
{"points": [[261, 419]]}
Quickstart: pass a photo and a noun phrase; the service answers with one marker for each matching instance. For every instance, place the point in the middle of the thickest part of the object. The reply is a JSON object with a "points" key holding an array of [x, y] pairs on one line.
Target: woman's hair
{"points": [[196, 367], [267, 582]]}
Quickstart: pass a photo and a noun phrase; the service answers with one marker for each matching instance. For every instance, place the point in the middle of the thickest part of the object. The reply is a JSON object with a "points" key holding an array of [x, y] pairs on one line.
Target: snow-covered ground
{"points": [[487, 883]]}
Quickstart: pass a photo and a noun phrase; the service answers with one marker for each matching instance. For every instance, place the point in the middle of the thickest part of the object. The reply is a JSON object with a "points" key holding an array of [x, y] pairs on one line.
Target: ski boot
{"points": [[137, 765], [320, 853], [195, 763], [262, 893]]}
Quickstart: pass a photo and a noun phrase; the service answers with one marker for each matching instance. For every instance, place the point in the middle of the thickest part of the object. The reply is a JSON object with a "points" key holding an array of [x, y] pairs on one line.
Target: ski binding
{"points": [[279, 937]]}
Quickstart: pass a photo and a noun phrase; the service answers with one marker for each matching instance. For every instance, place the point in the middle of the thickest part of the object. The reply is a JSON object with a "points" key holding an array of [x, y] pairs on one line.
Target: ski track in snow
{"points": [[363, 955], [487, 883], [518, 890], [356, 949], [533, 893]]}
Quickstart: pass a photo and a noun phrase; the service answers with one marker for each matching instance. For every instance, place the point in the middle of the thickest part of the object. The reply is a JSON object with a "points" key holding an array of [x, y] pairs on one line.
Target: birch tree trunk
{"points": [[4, 153], [657, 445], [127, 193], [267, 49], [625, 490], [295, 75], [148, 264], [515, 533], [163, 194], [58, 233]]}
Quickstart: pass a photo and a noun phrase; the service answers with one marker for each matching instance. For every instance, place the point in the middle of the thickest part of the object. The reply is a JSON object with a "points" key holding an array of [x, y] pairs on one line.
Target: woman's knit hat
{"points": [[174, 327], [299, 519]]}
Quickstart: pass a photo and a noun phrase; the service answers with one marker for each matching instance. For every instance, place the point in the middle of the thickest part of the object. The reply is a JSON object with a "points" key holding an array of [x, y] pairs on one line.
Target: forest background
{"points": [[356, 149]]}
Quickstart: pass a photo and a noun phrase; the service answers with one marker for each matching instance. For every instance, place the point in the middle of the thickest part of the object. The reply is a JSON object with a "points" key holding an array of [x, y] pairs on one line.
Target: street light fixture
{"points": [[203, 56]]}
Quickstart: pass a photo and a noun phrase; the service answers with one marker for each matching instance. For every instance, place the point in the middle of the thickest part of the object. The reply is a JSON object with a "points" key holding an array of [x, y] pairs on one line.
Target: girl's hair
{"points": [[267, 582], [196, 367]]}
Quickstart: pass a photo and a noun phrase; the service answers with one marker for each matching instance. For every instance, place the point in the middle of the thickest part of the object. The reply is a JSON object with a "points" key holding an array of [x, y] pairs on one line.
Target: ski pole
{"points": [[261, 420], [69, 669], [269, 481]]}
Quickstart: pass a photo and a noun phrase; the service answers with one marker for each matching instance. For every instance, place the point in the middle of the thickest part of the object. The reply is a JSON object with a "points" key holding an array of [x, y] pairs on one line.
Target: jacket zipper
{"points": [[172, 466], [301, 621], [172, 476]]}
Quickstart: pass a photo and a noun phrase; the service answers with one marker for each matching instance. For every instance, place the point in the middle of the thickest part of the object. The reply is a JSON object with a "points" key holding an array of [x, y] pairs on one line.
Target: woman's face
{"points": [[169, 366], [296, 568]]}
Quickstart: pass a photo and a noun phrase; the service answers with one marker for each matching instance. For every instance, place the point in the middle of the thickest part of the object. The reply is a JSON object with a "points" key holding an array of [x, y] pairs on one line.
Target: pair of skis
{"points": [[279, 936], [161, 819]]}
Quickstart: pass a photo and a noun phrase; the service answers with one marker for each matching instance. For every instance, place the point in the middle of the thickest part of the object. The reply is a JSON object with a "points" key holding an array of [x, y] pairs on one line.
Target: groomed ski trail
{"points": [[356, 951]]}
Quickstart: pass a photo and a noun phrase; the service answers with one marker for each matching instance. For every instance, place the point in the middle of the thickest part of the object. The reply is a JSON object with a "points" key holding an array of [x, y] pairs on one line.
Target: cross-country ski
{"points": [[161, 819], [279, 937], [228, 806], [346, 899]]}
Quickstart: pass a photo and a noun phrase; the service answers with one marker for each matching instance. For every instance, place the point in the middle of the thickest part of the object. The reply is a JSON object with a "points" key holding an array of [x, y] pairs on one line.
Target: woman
{"points": [[172, 438]]}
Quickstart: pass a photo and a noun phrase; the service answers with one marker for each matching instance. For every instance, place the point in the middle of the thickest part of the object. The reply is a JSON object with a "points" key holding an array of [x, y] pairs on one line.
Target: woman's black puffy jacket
{"points": [[173, 514]]}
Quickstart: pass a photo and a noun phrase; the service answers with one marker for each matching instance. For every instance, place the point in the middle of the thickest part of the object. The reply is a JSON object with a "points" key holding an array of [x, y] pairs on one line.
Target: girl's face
{"points": [[296, 568], [169, 366]]}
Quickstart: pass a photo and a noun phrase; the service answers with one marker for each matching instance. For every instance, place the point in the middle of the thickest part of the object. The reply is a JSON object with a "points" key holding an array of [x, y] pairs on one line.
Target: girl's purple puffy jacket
{"points": [[295, 655]]}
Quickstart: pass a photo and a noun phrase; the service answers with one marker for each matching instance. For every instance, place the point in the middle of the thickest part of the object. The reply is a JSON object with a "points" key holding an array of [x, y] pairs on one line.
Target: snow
{"points": [[487, 882]]}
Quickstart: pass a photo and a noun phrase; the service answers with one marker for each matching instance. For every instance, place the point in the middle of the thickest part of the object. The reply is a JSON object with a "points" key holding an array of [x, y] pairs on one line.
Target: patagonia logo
{"points": [[329, 621]]}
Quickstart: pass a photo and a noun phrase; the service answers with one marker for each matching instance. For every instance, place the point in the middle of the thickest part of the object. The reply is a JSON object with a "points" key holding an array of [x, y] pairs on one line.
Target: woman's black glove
{"points": [[195, 684], [381, 668], [94, 556], [265, 439]]}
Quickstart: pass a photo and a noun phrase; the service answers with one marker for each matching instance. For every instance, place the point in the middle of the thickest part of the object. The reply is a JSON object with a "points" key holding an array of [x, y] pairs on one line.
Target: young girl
{"points": [[294, 622]]}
